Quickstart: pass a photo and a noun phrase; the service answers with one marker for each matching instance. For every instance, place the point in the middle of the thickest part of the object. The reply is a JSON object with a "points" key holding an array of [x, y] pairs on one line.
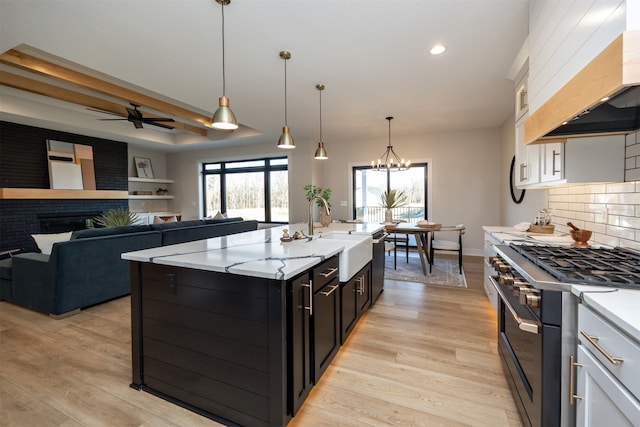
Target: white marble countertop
{"points": [[620, 306], [509, 234], [257, 253]]}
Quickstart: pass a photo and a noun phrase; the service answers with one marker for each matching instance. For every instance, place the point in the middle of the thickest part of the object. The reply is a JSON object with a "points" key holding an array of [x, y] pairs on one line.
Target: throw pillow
{"points": [[161, 219], [45, 241]]}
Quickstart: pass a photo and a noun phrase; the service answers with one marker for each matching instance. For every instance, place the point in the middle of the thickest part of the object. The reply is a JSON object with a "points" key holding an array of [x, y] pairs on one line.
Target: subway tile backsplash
{"points": [[611, 211]]}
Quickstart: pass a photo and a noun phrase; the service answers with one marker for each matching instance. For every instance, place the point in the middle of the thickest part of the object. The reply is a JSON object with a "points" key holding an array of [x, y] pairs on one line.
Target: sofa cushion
{"points": [[45, 241], [178, 224], [5, 269], [188, 234], [108, 231], [218, 220]]}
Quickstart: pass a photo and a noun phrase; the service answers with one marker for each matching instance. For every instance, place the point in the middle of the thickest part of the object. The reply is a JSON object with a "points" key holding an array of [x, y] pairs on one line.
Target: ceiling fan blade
{"points": [[160, 125], [156, 119], [104, 112]]}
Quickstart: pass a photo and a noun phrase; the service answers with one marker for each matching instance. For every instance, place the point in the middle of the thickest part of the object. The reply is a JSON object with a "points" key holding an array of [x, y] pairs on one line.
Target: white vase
{"points": [[388, 216]]}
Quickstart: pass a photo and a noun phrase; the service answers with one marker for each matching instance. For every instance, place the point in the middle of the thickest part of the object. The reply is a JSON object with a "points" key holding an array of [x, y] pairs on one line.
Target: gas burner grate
{"points": [[594, 266]]}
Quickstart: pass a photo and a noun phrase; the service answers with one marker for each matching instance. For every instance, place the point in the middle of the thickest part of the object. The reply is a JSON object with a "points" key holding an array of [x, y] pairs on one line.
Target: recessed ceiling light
{"points": [[437, 49]]}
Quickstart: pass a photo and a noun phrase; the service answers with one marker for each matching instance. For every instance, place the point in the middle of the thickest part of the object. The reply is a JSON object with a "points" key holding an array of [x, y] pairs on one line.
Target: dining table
{"points": [[421, 233]]}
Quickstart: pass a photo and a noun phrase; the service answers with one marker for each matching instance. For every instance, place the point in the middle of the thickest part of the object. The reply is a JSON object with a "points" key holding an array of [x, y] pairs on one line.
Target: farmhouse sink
{"points": [[357, 252]]}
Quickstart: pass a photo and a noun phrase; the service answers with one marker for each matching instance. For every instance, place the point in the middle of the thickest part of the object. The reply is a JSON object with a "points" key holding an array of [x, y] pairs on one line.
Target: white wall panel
{"points": [[564, 36]]}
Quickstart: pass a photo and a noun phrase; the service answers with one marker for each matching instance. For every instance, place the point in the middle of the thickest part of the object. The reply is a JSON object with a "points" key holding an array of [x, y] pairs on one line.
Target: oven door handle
{"points": [[524, 325]]}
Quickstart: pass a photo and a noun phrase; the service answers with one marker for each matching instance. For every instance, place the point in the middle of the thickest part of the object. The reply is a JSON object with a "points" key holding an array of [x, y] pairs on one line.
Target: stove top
{"points": [[617, 267]]}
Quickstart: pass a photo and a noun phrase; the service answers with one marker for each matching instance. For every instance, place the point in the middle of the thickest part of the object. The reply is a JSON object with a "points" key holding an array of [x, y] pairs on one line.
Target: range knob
{"points": [[506, 279], [529, 297]]}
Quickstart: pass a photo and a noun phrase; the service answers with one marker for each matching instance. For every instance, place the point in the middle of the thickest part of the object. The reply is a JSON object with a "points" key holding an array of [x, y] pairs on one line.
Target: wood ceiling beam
{"points": [[41, 66], [41, 88]]}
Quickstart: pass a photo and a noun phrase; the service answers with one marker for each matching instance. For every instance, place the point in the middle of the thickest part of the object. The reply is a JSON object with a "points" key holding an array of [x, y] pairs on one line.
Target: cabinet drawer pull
{"points": [[572, 396], [310, 286], [594, 342], [330, 291], [329, 272]]}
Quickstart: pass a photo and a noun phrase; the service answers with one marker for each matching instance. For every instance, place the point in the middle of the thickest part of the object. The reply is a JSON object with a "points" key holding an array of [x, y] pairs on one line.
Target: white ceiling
{"points": [[371, 55]]}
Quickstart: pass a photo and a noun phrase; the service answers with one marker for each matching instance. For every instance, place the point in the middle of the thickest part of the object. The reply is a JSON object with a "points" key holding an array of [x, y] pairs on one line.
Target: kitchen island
{"points": [[239, 328]]}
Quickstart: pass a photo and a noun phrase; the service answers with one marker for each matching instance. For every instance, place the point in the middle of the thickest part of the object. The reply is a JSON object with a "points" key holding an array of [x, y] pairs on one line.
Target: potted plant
{"points": [[162, 191], [392, 199], [115, 218], [314, 190]]}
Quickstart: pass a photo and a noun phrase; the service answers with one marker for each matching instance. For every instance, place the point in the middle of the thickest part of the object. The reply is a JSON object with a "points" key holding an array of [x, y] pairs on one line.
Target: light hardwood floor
{"points": [[421, 356]]}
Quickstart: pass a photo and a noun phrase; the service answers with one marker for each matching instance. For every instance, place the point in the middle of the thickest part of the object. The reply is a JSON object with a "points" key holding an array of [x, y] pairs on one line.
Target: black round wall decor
{"points": [[517, 198]]}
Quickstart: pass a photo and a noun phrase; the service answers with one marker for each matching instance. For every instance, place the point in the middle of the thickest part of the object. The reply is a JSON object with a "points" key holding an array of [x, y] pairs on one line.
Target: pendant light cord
{"points": [[320, 115], [224, 85], [285, 92]]}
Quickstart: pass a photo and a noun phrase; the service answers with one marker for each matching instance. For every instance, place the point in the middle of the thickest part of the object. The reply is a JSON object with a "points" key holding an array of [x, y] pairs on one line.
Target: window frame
{"points": [[356, 168], [223, 171]]}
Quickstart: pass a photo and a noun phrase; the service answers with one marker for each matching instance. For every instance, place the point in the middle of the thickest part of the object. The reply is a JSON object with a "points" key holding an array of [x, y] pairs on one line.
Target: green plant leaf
{"points": [[116, 218]]}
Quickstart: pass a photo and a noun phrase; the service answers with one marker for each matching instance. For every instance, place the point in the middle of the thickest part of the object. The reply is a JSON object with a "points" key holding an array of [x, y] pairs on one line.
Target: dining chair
{"points": [[447, 245]]}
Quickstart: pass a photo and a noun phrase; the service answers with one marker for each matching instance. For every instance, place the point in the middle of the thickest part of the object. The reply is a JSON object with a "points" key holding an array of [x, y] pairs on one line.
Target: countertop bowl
{"points": [[580, 237]]}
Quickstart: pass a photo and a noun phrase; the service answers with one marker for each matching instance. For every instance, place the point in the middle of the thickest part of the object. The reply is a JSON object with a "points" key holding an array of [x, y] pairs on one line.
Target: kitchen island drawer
{"points": [[618, 352]]}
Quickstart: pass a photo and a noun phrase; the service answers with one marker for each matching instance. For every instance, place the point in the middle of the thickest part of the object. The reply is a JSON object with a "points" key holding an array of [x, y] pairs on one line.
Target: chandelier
{"points": [[389, 160]]}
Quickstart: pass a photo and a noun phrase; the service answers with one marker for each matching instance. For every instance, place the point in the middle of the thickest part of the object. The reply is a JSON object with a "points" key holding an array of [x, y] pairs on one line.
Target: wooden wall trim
{"points": [[45, 193]]}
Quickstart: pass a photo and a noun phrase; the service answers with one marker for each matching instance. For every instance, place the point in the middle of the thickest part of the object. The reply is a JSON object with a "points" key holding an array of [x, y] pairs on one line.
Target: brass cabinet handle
{"points": [[360, 281], [332, 290], [522, 169], [572, 396], [310, 286], [553, 162], [523, 99], [594, 342], [328, 272]]}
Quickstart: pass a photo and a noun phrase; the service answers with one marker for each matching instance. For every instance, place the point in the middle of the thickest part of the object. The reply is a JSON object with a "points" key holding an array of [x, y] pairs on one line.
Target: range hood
{"points": [[602, 99]]}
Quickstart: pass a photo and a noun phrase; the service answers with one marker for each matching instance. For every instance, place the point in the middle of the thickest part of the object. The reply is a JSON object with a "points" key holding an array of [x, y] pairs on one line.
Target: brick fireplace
{"points": [[23, 164]]}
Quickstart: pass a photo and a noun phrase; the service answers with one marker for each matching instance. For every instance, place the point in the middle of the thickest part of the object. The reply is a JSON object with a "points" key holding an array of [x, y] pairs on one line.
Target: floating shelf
{"points": [[45, 193], [148, 197], [156, 180]]}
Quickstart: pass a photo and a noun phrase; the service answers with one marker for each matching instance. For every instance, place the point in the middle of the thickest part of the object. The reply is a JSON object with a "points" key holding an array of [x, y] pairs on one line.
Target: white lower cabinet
{"points": [[607, 372], [602, 399]]}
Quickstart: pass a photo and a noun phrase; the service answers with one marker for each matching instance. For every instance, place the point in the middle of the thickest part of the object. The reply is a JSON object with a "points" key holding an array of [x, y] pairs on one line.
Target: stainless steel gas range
{"points": [[537, 330]]}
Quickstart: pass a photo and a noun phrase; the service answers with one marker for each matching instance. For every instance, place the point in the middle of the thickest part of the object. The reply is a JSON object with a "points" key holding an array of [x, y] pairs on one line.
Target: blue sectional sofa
{"points": [[88, 269]]}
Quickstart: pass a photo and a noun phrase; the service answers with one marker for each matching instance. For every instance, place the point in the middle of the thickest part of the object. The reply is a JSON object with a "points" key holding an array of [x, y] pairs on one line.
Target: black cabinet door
{"points": [[326, 326], [349, 310], [299, 347]]}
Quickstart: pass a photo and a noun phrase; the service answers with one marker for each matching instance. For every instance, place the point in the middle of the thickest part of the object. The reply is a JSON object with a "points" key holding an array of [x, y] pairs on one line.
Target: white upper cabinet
{"points": [[564, 36]]}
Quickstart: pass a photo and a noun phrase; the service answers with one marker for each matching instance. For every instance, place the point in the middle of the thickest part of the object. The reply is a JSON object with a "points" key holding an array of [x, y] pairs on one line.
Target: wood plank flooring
{"points": [[421, 356]]}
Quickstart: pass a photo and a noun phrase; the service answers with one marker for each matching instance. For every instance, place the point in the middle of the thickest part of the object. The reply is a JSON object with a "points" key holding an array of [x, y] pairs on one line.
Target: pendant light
{"points": [[389, 160], [224, 118], [286, 140], [321, 153]]}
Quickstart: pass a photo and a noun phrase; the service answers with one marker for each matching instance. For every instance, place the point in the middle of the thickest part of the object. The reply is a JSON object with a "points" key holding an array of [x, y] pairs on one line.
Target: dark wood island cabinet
{"points": [[238, 349]]}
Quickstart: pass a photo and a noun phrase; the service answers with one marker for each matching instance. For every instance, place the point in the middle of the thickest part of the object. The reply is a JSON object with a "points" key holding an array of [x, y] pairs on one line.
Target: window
{"points": [[369, 184], [252, 189]]}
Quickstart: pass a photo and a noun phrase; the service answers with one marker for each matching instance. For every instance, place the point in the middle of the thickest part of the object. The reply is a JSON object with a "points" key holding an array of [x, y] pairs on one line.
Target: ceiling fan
{"points": [[135, 116]]}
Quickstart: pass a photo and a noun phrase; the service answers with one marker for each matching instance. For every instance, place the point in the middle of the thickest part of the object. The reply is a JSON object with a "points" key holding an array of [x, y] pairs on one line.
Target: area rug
{"points": [[445, 271]]}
